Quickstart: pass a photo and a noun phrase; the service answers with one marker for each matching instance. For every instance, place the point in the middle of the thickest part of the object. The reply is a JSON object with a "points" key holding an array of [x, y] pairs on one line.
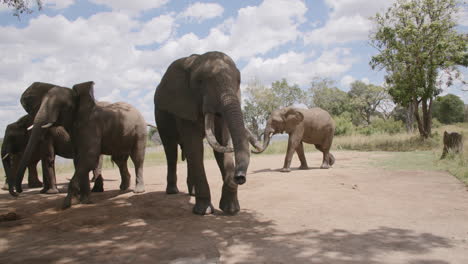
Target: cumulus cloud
{"points": [[132, 6], [346, 81], [202, 11], [298, 68], [349, 21]]}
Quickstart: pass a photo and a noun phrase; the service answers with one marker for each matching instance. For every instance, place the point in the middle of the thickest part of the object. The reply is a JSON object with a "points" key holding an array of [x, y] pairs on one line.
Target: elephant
{"points": [[199, 96], [14, 144], [312, 126], [116, 129], [51, 108]]}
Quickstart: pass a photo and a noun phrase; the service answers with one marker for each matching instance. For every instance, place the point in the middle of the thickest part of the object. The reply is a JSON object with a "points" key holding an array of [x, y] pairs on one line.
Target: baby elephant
{"points": [[313, 126], [116, 129]]}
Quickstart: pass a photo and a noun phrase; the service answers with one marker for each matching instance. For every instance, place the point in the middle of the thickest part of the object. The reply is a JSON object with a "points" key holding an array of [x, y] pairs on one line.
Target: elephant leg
{"points": [[48, 166], [138, 158], [166, 128], [121, 162], [302, 158], [192, 140], [229, 202], [33, 179], [326, 157], [98, 184], [97, 172], [293, 143]]}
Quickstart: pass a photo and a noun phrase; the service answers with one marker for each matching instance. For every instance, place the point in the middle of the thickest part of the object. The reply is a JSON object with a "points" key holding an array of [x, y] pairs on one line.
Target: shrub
{"points": [[344, 125]]}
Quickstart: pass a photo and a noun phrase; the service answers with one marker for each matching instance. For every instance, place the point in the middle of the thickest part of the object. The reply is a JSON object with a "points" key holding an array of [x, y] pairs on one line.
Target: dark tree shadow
{"points": [[158, 228]]}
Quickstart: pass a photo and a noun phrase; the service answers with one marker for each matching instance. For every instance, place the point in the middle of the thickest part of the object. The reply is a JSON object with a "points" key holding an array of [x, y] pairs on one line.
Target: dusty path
{"points": [[352, 213]]}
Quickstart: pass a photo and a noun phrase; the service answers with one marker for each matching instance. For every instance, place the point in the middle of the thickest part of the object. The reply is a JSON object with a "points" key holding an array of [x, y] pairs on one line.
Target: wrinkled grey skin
{"points": [[14, 142], [48, 104], [191, 88], [312, 126], [116, 129]]}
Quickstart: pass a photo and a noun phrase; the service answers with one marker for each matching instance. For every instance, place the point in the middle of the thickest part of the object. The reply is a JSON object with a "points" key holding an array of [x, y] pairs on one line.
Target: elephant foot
{"points": [[52, 191], [172, 189], [5, 186], [85, 200], [285, 170], [19, 189], [69, 201], [35, 184], [229, 203], [203, 207], [304, 167], [98, 185], [325, 166], [139, 188], [331, 159], [124, 186]]}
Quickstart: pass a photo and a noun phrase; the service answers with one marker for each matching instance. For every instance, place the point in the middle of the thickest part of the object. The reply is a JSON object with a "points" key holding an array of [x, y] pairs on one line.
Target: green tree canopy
{"points": [[449, 109], [21, 6], [324, 94], [416, 40], [260, 101], [365, 99]]}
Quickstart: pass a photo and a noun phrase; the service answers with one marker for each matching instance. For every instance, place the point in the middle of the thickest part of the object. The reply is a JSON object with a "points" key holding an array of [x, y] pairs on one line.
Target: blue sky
{"points": [[126, 46]]}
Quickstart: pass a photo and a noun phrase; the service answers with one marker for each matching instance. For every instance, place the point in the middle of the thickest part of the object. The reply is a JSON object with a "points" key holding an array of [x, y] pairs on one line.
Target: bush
{"points": [[389, 126], [344, 125]]}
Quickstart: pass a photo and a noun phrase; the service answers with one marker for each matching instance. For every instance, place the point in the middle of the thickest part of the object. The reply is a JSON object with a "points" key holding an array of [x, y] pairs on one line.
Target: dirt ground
{"points": [[352, 213]]}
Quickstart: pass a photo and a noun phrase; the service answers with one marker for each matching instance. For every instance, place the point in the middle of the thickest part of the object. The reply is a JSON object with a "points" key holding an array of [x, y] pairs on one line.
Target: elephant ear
{"points": [[174, 94], [84, 93], [292, 118]]}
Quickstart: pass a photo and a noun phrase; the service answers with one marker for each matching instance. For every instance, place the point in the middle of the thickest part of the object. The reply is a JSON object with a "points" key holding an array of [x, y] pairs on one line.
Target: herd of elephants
{"points": [[197, 98]]}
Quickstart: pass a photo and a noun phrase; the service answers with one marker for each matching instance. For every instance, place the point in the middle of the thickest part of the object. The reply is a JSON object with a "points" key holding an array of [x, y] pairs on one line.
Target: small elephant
{"points": [[199, 96], [312, 126], [14, 142], [13, 147], [116, 129]]}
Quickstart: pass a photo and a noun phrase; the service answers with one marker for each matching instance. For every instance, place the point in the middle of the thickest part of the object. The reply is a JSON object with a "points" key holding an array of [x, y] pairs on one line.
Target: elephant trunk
{"points": [[235, 122], [36, 135], [6, 158], [266, 140]]}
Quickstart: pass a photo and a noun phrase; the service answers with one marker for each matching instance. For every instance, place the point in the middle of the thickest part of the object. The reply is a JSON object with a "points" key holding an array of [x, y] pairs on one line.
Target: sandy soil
{"points": [[353, 213]]}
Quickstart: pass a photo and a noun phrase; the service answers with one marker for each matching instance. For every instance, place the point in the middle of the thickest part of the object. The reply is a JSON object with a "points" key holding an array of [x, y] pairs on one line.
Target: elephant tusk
{"points": [[47, 125], [150, 125], [252, 140], [210, 137], [6, 156], [30, 127]]}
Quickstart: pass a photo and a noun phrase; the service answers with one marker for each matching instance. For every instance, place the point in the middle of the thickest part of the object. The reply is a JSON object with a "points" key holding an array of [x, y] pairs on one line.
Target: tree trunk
{"points": [[453, 142], [424, 123], [410, 118]]}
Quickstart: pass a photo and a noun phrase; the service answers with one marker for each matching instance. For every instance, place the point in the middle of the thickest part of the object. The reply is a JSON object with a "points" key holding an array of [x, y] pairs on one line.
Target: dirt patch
{"points": [[352, 213]]}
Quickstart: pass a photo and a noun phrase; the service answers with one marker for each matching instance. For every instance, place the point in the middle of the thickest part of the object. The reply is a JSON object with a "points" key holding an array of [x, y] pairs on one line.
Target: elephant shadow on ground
{"points": [[157, 228], [279, 170]]}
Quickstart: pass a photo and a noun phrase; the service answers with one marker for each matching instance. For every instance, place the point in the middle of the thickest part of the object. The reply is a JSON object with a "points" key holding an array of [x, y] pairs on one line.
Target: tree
{"points": [[260, 101], [449, 109], [416, 40], [21, 6], [325, 95], [365, 99]]}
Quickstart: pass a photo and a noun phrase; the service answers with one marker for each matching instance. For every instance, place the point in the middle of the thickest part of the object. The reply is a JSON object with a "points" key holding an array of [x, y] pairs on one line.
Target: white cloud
{"points": [[462, 16], [341, 30], [348, 22], [297, 67], [346, 81], [364, 8], [57, 4], [131, 6], [202, 11]]}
